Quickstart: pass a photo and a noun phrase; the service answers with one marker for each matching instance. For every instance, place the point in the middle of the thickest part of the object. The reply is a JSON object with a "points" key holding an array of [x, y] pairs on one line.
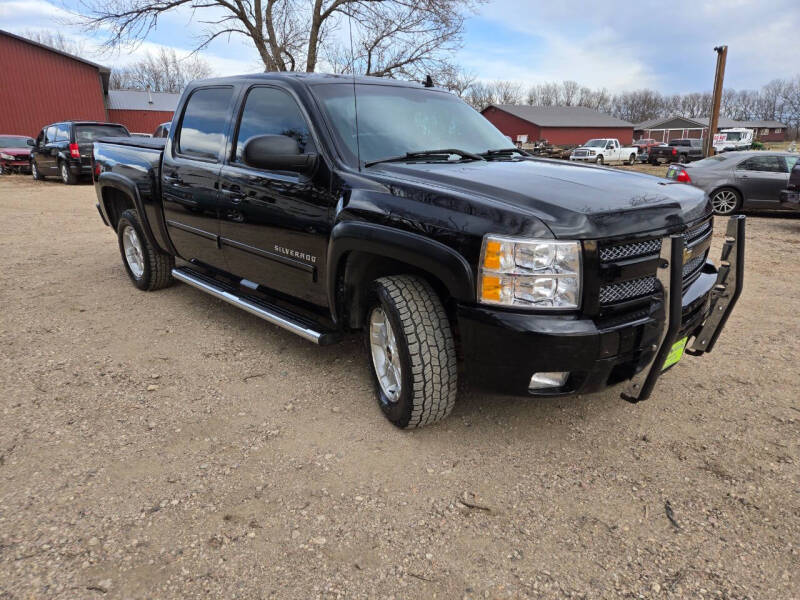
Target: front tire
{"points": [[66, 175], [726, 201], [148, 268], [599, 159], [412, 352], [37, 175]]}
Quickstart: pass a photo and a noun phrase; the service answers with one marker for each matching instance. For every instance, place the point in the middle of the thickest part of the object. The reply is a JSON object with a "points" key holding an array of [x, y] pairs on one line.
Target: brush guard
{"points": [[724, 294]]}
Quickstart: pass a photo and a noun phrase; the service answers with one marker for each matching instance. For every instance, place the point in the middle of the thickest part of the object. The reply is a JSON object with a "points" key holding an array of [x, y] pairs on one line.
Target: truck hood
{"points": [[573, 201]]}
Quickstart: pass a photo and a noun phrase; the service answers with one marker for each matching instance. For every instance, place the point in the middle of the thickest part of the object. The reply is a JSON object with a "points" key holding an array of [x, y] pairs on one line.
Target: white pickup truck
{"points": [[604, 150]]}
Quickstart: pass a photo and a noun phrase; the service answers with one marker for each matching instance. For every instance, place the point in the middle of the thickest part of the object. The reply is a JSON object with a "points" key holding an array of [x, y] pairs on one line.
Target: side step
{"points": [[271, 313]]}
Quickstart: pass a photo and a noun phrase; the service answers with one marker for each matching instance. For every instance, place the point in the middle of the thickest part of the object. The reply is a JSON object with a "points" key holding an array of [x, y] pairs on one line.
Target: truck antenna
{"points": [[355, 98]]}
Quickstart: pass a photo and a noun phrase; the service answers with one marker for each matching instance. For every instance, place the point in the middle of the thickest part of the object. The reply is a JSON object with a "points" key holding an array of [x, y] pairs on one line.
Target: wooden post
{"points": [[722, 53]]}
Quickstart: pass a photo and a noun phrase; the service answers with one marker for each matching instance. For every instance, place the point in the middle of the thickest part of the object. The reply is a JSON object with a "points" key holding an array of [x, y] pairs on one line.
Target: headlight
{"points": [[5, 156], [530, 273], [591, 152]]}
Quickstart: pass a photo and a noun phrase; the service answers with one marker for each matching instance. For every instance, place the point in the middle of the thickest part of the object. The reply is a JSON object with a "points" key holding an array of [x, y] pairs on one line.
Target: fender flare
{"points": [[127, 187], [429, 255]]}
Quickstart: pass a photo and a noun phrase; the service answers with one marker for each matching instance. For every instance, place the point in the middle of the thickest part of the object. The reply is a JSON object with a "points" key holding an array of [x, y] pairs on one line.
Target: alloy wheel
{"points": [[385, 354], [724, 202], [133, 251]]}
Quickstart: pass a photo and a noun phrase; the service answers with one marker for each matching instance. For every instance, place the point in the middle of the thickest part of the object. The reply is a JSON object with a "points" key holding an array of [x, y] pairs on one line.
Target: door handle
{"points": [[173, 179], [234, 193]]}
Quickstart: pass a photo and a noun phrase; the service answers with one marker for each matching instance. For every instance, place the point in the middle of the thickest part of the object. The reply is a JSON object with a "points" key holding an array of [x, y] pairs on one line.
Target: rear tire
{"points": [[683, 159], [632, 159], [412, 352], [726, 201], [66, 175], [37, 174], [148, 268]]}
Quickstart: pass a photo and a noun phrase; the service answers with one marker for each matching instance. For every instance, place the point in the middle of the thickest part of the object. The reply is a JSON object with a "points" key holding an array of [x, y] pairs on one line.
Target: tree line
{"points": [[405, 39], [778, 100]]}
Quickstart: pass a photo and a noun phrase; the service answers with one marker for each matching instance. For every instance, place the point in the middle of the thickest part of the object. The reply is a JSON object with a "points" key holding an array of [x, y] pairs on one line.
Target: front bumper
{"points": [[503, 349], [584, 158], [21, 166]]}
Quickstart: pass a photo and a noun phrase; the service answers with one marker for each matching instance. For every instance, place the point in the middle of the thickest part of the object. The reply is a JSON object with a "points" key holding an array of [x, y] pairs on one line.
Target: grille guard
{"points": [[724, 295]]}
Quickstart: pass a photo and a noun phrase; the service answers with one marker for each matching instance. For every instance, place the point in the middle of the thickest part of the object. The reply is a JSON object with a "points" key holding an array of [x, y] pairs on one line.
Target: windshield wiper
{"points": [[505, 152], [445, 152]]}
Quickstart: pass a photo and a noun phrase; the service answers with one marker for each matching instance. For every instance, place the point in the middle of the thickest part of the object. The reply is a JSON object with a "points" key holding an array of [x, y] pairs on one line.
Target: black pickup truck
{"points": [[326, 204], [680, 151]]}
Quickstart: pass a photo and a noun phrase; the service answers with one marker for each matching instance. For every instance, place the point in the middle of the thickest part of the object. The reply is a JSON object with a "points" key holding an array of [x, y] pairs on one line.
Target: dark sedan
{"points": [[737, 180]]}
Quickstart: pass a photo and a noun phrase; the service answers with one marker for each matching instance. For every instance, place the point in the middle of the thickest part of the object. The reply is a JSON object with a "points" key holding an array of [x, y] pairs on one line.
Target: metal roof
{"points": [[560, 116], [722, 123], [142, 100], [659, 121], [725, 123], [105, 72]]}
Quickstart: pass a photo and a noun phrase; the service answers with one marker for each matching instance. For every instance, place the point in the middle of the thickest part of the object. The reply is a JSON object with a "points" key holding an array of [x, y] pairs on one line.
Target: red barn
{"points": [[40, 85], [141, 111], [560, 125]]}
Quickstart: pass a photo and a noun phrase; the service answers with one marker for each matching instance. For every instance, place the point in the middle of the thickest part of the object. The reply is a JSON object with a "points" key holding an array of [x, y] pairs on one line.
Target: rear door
{"points": [[761, 179], [190, 174], [274, 225]]}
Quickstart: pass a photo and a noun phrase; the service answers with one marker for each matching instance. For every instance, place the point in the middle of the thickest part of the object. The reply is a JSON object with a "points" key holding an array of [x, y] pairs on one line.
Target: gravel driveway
{"points": [[167, 445]]}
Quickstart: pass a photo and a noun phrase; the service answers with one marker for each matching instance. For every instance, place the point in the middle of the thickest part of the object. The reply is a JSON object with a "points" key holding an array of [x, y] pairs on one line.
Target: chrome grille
{"points": [[695, 263], [621, 291], [580, 153], [620, 251], [627, 290]]}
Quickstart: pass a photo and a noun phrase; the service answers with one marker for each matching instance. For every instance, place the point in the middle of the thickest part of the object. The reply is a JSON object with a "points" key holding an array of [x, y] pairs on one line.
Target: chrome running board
{"points": [[263, 310]]}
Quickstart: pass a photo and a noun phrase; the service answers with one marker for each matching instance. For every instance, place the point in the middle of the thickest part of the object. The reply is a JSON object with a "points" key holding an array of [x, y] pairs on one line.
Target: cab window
{"points": [[770, 164], [50, 135], [203, 128], [270, 111]]}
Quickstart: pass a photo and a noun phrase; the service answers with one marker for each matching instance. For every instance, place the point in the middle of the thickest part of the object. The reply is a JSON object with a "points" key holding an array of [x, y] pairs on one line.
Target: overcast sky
{"points": [[663, 45]]}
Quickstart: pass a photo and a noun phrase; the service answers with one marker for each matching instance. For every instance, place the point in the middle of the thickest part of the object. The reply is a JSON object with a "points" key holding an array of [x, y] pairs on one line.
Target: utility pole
{"points": [[722, 54]]}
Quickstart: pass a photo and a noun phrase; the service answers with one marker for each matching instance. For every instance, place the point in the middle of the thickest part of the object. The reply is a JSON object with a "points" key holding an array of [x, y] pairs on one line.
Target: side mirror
{"points": [[30, 142], [277, 153]]}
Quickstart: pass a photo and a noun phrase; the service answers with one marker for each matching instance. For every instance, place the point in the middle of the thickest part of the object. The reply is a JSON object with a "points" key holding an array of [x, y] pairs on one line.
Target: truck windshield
{"points": [[595, 144], [395, 120], [89, 133]]}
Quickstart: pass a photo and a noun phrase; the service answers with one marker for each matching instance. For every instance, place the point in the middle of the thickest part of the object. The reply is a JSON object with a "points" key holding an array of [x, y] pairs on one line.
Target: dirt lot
{"points": [[167, 445]]}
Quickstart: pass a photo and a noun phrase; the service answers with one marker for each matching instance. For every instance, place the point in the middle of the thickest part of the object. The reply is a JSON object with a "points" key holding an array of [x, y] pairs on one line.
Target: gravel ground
{"points": [[167, 445]]}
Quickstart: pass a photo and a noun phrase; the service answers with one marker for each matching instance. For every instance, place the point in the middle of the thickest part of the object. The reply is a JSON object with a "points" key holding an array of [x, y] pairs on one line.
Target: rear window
{"points": [[89, 133], [205, 120], [711, 160]]}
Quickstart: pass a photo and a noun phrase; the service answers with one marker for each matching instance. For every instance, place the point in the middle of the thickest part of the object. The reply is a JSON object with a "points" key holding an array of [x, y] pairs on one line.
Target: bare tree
{"points": [[56, 40], [392, 37], [161, 72]]}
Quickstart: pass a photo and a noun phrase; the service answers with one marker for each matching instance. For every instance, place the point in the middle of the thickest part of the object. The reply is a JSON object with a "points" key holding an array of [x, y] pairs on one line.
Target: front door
{"points": [[761, 179], [190, 175], [46, 157], [274, 225]]}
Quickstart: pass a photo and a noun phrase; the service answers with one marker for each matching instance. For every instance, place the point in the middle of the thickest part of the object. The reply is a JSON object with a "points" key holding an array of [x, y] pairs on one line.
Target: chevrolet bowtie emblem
{"points": [[687, 254]]}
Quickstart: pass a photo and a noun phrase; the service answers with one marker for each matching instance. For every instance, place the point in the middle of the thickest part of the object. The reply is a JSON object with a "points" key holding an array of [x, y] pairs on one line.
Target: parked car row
{"points": [[738, 180], [62, 149]]}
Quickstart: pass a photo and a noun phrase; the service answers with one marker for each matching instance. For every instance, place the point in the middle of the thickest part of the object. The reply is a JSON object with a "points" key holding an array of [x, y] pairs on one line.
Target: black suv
{"points": [[65, 149]]}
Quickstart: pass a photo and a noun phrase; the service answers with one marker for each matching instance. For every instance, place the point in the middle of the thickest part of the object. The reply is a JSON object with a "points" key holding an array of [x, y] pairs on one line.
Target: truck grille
{"points": [[580, 153], [631, 289], [626, 290]]}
